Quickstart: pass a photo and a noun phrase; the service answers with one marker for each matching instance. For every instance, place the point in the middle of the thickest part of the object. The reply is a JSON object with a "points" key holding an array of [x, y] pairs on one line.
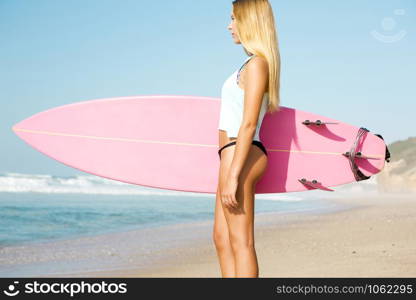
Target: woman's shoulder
{"points": [[258, 62], [258, 67]]}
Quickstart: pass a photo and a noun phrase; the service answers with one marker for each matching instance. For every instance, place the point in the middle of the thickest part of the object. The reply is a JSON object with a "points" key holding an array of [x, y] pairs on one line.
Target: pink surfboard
{"points": [[171, 142]]}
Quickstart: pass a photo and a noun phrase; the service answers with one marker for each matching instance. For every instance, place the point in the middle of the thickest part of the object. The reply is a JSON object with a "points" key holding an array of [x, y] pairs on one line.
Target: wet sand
{"points": [[374, 237]]}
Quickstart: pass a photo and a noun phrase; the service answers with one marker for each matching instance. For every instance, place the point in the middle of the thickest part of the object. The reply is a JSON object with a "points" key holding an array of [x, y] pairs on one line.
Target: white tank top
{"points": [[232, 106]]}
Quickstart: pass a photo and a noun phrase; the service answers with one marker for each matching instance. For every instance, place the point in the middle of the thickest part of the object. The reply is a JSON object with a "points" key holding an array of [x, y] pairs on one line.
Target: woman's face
{"points": [[232, 27]]}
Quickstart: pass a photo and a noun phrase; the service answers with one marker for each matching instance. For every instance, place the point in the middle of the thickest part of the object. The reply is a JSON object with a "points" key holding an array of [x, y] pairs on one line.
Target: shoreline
{"points": [[360, 235], [371, 238], [148, 247]]}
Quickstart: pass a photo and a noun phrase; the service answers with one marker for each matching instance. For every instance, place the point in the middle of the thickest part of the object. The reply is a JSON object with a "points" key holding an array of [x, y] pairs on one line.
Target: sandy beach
{"points": [[374, 237]]}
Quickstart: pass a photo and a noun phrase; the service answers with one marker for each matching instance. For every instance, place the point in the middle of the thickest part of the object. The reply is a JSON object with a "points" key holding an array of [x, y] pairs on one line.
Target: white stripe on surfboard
{"points": [[171, 143]]}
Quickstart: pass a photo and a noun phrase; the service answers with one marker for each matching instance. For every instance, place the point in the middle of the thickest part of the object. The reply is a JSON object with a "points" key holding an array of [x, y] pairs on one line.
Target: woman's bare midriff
{"points": [[223, 138]]}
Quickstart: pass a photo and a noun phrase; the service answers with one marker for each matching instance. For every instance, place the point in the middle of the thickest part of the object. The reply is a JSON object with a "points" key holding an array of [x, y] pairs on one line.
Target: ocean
{"points": [[55, 225], [36, 208]]}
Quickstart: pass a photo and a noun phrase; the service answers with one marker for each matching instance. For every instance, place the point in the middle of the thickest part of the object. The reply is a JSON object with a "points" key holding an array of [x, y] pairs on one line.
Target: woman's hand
{"points": [[228, 191]]}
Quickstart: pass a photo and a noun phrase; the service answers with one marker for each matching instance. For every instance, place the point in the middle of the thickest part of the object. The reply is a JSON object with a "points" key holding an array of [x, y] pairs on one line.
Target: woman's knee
{"points": [[241, 241], [220, 239]]}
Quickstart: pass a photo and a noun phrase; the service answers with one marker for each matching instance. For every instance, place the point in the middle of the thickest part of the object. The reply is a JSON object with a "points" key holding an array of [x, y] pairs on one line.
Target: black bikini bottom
{"points": [[257, 143]]}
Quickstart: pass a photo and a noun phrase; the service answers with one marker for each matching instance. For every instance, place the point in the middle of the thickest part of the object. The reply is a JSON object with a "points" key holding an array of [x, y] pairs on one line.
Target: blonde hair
{"points": [[256, 29]]}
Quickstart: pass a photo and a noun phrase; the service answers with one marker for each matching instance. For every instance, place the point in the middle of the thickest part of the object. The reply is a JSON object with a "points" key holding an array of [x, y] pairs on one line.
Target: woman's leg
{"points": [[240, 220], [222, 240]]}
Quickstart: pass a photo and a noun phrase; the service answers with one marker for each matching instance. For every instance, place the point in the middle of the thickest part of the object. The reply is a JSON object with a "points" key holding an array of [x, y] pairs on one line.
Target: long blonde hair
{"points": [[256, 29]]}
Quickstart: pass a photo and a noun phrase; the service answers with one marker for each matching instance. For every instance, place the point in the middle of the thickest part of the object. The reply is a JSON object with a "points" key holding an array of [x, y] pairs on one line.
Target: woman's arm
{"points": [[257, 74]]}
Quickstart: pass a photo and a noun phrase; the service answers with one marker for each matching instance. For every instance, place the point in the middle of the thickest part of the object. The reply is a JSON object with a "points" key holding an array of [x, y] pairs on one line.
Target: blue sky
{"points": [[59, 52]]}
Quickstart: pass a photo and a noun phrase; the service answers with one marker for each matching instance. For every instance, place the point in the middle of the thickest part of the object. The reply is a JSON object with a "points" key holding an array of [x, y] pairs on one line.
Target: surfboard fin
{"points": [[317, 122], [315, 184]]}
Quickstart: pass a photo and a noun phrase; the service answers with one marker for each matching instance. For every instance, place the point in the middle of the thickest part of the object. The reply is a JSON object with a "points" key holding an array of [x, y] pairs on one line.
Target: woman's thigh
{"points": [[240, 220]]}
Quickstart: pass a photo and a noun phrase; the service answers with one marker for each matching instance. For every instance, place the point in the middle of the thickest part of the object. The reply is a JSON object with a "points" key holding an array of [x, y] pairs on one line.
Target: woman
{"points": [[246, 96]]}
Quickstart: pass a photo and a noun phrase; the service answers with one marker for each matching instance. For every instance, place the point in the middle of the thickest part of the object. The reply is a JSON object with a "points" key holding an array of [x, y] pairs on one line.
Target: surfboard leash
{"points": [[353, 153]]}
